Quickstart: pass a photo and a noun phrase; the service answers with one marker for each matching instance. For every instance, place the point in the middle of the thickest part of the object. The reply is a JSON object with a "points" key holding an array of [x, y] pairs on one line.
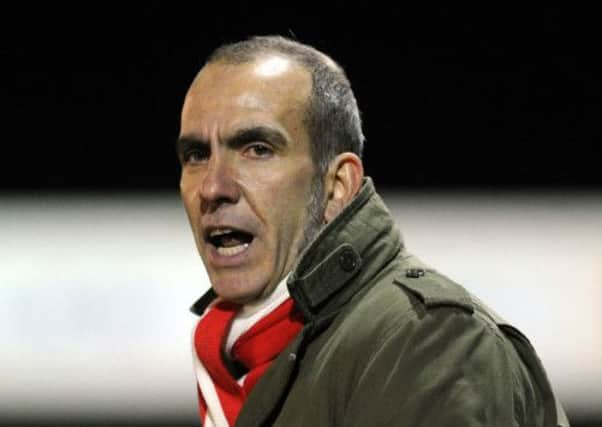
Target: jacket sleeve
{"points": [[443, 367]]}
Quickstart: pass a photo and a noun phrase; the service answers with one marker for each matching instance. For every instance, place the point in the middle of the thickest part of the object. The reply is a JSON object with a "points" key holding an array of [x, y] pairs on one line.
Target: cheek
{"points": [[191, 206], [189, 191], [276, 184], [293, 199], [185, 191], [189, 180], [187, 201], [279, 192]]}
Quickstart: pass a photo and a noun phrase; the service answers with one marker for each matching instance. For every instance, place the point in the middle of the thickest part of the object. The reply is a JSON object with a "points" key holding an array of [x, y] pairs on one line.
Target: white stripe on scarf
{"points": [[244, 320]]}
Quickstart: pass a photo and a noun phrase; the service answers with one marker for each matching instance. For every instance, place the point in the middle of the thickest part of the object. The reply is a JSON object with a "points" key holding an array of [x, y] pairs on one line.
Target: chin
{"points": [[237, 292]]}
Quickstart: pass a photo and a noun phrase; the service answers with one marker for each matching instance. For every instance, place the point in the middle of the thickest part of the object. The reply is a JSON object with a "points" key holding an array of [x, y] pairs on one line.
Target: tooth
{"points": [[233, 250], [220, 231]]}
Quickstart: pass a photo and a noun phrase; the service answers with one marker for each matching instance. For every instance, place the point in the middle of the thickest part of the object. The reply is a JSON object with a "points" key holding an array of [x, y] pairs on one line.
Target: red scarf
{"points": [[255, 349]]}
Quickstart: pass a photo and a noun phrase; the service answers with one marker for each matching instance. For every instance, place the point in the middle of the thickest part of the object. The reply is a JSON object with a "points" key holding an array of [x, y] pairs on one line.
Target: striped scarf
{"points": [[222, 393]]}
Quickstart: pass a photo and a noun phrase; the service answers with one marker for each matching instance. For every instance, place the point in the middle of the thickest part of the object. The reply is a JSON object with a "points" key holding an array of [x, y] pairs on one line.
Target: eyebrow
{"points": [[257, 133], [237, 140], [186, 143]]}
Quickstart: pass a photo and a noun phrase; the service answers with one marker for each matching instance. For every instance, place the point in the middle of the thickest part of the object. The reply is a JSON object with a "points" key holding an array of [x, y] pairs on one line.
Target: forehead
{"points": [[272, 85]]}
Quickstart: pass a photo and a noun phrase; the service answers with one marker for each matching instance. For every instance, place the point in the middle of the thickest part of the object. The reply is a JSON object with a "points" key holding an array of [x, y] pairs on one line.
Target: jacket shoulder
{"points": [[408, 289], [434, 289]]}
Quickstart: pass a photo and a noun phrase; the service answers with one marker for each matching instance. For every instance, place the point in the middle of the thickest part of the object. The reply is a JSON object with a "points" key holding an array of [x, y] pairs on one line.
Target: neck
{"points": [[251, 312]]}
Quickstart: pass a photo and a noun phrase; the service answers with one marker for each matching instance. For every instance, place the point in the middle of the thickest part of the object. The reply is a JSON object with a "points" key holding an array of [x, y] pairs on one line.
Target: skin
{"points": [[246, 164]]}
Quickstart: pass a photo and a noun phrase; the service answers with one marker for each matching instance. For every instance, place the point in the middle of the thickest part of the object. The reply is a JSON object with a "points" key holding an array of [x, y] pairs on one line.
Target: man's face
{"points": [[247, 172]]}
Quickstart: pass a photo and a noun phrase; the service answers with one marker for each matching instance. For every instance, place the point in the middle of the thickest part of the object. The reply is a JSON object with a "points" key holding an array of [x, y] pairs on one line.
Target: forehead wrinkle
{"points": [[227, 91], [251, 101], [244, 125], [196, 128]]}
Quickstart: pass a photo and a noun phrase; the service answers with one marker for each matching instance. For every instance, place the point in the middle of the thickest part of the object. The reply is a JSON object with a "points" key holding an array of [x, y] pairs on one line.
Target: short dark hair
{"points": [[333, 118]]}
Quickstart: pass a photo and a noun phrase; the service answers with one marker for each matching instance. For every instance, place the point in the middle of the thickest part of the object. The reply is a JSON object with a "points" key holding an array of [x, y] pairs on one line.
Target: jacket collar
{"points": [[346, 253]]}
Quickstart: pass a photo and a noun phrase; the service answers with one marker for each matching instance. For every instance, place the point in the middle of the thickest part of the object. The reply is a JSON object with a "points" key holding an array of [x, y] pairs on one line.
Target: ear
{"points": [[343, 181]]}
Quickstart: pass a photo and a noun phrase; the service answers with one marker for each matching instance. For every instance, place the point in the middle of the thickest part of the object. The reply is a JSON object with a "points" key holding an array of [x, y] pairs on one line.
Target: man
{"points": [[318, 316]]}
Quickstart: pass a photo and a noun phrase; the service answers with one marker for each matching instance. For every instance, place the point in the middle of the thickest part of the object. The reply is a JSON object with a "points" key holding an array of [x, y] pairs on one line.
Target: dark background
{"points": [[453, 98]]}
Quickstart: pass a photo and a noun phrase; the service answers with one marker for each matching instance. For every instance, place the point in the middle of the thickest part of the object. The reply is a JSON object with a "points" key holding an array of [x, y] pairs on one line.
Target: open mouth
{"points": [[229, 241]]}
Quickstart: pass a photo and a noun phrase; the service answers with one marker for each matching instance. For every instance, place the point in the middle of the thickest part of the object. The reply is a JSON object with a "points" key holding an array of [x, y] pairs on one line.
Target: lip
{"points": [[208, 229], [217, 260]]}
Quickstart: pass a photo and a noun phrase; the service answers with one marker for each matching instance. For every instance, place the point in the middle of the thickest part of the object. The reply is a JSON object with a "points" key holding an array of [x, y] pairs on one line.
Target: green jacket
{"points": [[390, 342]]}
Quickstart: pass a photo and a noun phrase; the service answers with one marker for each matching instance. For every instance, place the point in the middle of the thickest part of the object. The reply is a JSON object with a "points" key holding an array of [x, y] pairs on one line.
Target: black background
{"points": [[454, 98]]}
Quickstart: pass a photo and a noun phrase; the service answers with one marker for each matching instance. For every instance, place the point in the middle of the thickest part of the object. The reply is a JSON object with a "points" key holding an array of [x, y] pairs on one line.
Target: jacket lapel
{"points": [[269, 393]]}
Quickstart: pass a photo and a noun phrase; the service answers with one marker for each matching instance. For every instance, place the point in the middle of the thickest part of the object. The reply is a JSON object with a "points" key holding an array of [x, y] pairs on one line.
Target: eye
{"points": [[259, 150], [195, 156]]}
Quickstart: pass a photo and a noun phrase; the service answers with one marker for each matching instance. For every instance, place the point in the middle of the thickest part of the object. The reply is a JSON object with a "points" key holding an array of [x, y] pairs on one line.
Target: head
{"points": [[270, 146]]}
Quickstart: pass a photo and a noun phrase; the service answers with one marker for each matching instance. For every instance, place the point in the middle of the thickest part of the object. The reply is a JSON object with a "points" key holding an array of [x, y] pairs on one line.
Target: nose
{"points": [[218, 185]]}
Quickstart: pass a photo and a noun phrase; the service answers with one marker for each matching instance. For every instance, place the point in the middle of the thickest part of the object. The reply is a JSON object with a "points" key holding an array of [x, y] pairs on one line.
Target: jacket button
{"points": [[414, 273], [348, 260]]}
